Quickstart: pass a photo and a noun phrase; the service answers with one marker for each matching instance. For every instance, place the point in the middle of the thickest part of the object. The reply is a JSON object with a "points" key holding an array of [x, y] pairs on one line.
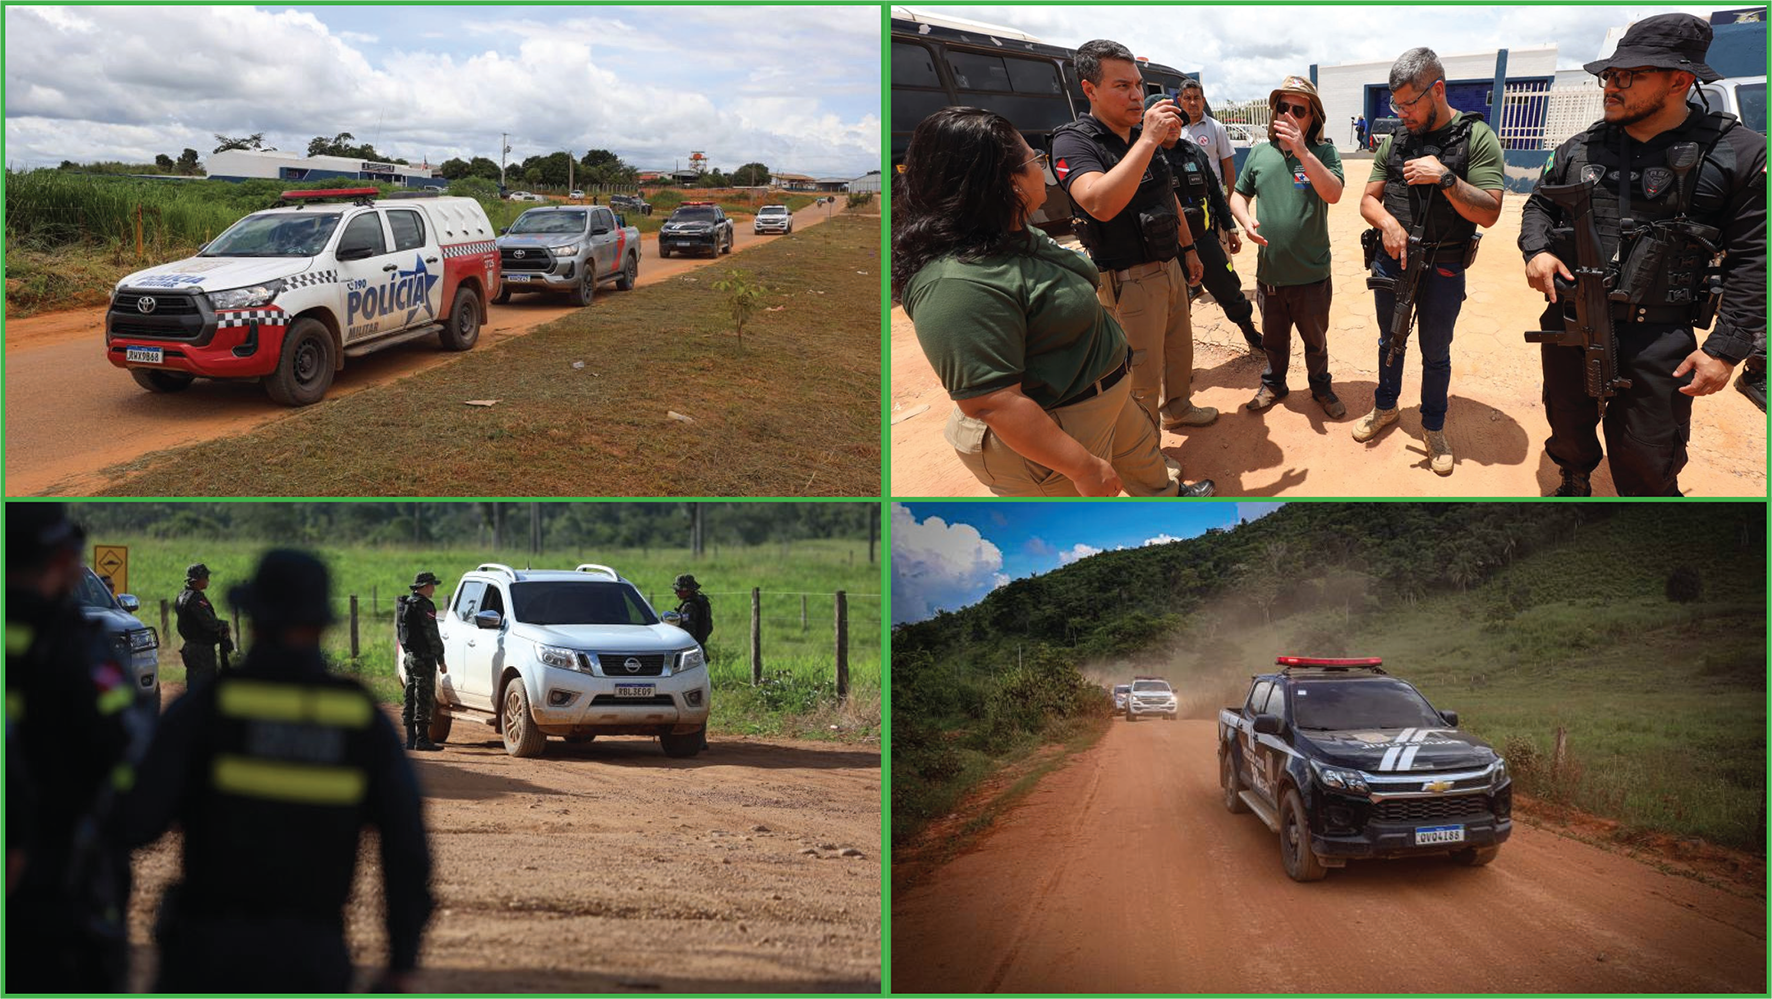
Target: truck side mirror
{"points": [[1268, 725], [488, 620], [354, 253], [505, 231], [128, 602], [672, 618], [1451, 718]]}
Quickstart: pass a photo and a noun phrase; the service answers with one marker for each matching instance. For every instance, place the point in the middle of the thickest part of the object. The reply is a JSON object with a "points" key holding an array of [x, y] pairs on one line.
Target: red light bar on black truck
{"points": [[1371, 663], [338, 192]]}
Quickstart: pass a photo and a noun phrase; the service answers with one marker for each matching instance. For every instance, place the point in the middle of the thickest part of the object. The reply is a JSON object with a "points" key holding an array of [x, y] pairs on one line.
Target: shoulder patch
{"points": [[1061, 168]]}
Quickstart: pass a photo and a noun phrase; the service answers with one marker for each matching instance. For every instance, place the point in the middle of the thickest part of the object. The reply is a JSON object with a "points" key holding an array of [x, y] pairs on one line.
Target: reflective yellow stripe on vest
{"points": [[282, 702], [18, 638], [116, 699], [294, 782]]}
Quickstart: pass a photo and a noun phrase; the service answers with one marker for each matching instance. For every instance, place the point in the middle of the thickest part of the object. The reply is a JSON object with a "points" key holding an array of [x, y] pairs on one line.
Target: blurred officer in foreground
{"points": [[67, 701], [273, 771], [423, 646], [201, 629]]}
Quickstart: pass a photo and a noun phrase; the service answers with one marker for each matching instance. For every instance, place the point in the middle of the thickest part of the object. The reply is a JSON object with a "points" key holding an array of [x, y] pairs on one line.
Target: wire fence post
{"points": [[802, 612], [756, 636], [237, 631], [353, 627], [842, 646], [165, 623]]}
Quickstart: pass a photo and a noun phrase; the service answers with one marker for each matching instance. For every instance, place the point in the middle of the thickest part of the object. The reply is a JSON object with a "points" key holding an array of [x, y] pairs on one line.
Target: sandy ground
{"points": [[70, 414], [1495, 423], [607, 866], [1123, 872]]}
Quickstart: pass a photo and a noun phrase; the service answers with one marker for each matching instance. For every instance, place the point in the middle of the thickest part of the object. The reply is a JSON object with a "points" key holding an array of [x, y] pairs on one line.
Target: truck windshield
{"points": [[91, 591], [278, 234], [1151, 685], [694, 215], [542, 223], [578, 602], [773, 210], [1342, 705]]}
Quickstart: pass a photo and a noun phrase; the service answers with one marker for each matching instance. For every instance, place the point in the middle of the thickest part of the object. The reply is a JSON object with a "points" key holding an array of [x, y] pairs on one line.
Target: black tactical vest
{"points": [[1147, 229], [1656, 195], [1444, 224]]}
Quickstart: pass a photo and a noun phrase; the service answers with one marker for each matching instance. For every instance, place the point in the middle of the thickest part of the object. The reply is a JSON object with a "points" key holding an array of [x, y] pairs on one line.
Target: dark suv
{"points": [[696, 225], [1345, 761], [629, 203]]}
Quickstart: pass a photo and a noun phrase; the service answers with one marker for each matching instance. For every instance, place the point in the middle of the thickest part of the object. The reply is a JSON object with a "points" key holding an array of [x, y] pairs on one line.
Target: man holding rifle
{"points": [[1676, 198], [1432, 185]]}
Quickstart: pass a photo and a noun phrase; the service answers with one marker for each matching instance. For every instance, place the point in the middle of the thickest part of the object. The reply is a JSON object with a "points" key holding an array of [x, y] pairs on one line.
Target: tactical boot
{"points": [[1331, 405], [1204, 487], [1265, 397], [425, 745], [1196, 416], [1439, 452], [1373, 422], [1574, 484], [411, 736], [1753, 385]]}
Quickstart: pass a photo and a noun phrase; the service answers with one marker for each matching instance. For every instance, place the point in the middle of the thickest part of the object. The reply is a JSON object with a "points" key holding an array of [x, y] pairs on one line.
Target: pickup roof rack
{"points": [[497, 567], [1370, 664], [600, 570]]}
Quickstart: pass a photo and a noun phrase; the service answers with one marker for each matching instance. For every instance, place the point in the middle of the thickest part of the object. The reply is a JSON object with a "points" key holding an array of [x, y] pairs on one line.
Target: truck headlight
{"points": [[563, 251], [557, 657], [246, 298], [1341, 780], [142, 639], [690, 659], [1498, 775]]}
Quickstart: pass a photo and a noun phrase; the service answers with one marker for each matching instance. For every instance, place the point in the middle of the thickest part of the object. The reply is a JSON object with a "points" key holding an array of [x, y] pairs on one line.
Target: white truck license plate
{"points": [[633, 690], [1439, 834], [145, 355]]}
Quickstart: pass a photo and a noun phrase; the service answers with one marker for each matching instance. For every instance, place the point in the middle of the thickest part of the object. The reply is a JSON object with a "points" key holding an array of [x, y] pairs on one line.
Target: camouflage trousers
{"points": [[200, 664], [421, 692]]}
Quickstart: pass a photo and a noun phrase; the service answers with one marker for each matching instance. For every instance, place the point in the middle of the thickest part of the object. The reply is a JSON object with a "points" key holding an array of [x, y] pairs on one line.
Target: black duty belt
{"points": [[1102, 384], [1675, 315]]}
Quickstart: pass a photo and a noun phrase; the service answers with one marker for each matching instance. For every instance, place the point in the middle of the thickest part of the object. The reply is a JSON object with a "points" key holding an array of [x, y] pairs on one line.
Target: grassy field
{"points": [[793, 411], [797, 699]]}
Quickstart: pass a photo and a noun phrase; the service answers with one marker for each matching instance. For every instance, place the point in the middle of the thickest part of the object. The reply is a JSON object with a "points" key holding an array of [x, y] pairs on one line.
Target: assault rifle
{"points": [[1590, 328], [1404, 287]]}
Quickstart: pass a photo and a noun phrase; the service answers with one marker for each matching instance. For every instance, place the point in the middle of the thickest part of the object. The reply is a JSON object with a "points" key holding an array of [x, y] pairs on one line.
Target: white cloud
{"points": [[1255, 511], [1075, 552], [1161, 539], [939, 566]]}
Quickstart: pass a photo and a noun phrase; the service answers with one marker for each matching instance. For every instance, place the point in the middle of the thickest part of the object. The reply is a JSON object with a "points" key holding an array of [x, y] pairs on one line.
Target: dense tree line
{"points": [[503, 525]]}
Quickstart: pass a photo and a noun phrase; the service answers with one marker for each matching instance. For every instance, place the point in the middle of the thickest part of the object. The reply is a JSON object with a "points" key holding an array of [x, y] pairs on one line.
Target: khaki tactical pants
{"points": [[1110, 425], [1150, 301]]}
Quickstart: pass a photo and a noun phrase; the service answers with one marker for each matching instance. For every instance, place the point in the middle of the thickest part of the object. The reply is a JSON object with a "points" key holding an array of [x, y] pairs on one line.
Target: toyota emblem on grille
{"points": [[632, 665], [146, 304], [518, 254]]}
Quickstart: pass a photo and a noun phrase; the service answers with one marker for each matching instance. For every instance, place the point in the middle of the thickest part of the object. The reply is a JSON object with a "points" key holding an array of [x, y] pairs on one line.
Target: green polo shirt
{"points": [[1484, 171], [1294, 219], [1028, 319]]}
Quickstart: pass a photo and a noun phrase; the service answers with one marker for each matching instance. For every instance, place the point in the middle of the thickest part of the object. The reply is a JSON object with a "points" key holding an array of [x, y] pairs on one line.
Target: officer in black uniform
{"points": [[273, 771], [698, 614], [1195, 177], [423, 644], [1125, 212], [67, 738], [1631, 157], [199, 626]]}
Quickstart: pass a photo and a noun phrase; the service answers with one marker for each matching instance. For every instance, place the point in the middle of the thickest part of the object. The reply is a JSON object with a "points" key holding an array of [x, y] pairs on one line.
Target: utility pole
{"points": [[569, 165], [504, 149]]}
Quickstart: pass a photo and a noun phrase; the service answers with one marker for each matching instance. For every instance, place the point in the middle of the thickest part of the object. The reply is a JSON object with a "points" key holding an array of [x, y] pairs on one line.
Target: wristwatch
{"points": [[1448, 180]]}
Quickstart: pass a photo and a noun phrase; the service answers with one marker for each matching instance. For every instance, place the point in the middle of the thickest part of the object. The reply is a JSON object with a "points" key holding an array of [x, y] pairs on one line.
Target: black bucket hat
{"points": [[197, 571], [685, 582], [34, 531], [290, 588], [1665, 41], [424, 579]]}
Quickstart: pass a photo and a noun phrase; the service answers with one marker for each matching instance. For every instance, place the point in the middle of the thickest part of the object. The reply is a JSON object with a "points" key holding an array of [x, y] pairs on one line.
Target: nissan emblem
{"points": [[146, 304], [632, 665]]}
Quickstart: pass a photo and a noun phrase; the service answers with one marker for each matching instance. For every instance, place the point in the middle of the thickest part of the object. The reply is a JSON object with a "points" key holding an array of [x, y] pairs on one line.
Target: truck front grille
{"points": [[534, 259], [615, 664], [165, 304], [1430, 809]]}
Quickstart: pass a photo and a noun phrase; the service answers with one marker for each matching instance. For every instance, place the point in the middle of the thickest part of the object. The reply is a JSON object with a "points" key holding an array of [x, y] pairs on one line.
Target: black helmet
{"points": [[685, 582], [289, 588], [198, 571], [424, 579], [34, 531]]}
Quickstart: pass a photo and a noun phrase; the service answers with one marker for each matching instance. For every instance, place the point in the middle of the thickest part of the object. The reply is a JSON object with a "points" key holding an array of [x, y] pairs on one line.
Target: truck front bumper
{"points": [[243, 343], [572, 703]]}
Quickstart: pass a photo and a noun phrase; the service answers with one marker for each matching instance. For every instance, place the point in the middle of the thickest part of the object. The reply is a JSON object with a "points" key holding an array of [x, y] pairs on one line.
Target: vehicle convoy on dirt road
{"points": [[286, 295], [577, 654], [1344, 761], [1150, 695], [568, 249], [696, 225]]}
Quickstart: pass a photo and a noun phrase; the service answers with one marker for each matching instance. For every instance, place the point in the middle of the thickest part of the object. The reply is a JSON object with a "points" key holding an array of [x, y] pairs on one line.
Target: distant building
{"points": [[831, 184], [253, 164], [1363, 88], [792, 181], [869, 184]]}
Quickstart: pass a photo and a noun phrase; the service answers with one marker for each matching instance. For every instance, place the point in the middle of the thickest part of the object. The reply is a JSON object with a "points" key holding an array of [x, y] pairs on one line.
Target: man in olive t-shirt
{"points": [[1294, 177], [1441, 171]]}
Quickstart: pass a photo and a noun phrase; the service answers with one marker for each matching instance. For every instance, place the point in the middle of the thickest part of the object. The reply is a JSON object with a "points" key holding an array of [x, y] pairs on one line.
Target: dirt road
{"points": [[609, 867], [1495, 424], [70, 415], [1122, 872]]}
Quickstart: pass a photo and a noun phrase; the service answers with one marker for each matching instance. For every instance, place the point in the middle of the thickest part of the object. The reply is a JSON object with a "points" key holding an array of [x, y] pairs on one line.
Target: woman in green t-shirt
{"points": [[1011, 323]]}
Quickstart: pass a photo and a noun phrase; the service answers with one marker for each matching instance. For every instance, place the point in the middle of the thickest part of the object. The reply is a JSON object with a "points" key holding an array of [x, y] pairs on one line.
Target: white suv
{"points": [[773, 218], [1150, 696], [578, 654]]}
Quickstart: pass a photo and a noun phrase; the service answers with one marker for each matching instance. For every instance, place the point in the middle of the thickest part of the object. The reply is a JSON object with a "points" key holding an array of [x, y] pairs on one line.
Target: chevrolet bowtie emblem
{"points": [[1437, 786]]}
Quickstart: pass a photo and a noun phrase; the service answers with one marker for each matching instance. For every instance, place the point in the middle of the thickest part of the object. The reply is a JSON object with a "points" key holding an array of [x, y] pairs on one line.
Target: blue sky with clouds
{"points": [[948, 555], [797, 88]]}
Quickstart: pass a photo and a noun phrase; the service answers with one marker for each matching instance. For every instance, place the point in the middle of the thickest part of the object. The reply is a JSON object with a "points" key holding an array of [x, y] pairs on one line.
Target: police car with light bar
{"points": [[284, 296], [696, 225], [1345, 761]]}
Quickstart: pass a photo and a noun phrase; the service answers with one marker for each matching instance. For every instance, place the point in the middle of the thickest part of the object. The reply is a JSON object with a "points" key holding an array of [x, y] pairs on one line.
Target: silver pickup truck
{"points": [[570, 249]]}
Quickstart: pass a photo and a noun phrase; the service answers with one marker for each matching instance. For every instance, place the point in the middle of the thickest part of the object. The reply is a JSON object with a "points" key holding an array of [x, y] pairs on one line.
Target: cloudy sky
{"points": [[948, 555], [1244, 51], [795, 88]]}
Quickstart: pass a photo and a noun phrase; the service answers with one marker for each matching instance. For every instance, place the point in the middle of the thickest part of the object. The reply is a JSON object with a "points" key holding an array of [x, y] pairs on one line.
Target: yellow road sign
{"points": [[112, 562]]}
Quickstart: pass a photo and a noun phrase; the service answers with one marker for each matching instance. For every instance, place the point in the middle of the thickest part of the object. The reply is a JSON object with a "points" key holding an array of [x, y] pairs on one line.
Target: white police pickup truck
{"points": [[284, 296], [576, 654]]}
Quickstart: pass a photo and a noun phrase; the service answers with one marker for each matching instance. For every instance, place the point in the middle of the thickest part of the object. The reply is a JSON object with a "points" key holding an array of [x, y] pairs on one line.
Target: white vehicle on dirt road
{"points": [[772, 218], [577, 654], [284, 296], [1150, 696]]}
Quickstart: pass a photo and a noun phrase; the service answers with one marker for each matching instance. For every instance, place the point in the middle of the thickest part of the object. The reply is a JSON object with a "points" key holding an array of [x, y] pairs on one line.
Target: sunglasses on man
{"points": [[1295, 110]]}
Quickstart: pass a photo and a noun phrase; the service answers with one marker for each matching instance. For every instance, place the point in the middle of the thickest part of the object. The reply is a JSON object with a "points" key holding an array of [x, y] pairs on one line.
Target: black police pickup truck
{"points": [[1345, 761], [696, 225]]}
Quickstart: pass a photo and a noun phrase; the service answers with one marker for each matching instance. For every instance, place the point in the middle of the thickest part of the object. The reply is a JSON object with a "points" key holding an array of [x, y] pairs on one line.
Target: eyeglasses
{"points": [[1038, 157], [1402, 106], [1295, 110], [1621, 79]]}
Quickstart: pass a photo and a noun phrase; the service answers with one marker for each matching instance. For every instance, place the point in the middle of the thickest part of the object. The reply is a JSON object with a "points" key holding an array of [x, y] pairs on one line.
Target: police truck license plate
{"points": [[145, 355], [1439, 834], [517, 278], [633, 690]]}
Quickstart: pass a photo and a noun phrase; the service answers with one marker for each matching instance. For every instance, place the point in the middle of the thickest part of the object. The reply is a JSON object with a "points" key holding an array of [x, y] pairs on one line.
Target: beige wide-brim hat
{"points": [[1303, 88]]}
